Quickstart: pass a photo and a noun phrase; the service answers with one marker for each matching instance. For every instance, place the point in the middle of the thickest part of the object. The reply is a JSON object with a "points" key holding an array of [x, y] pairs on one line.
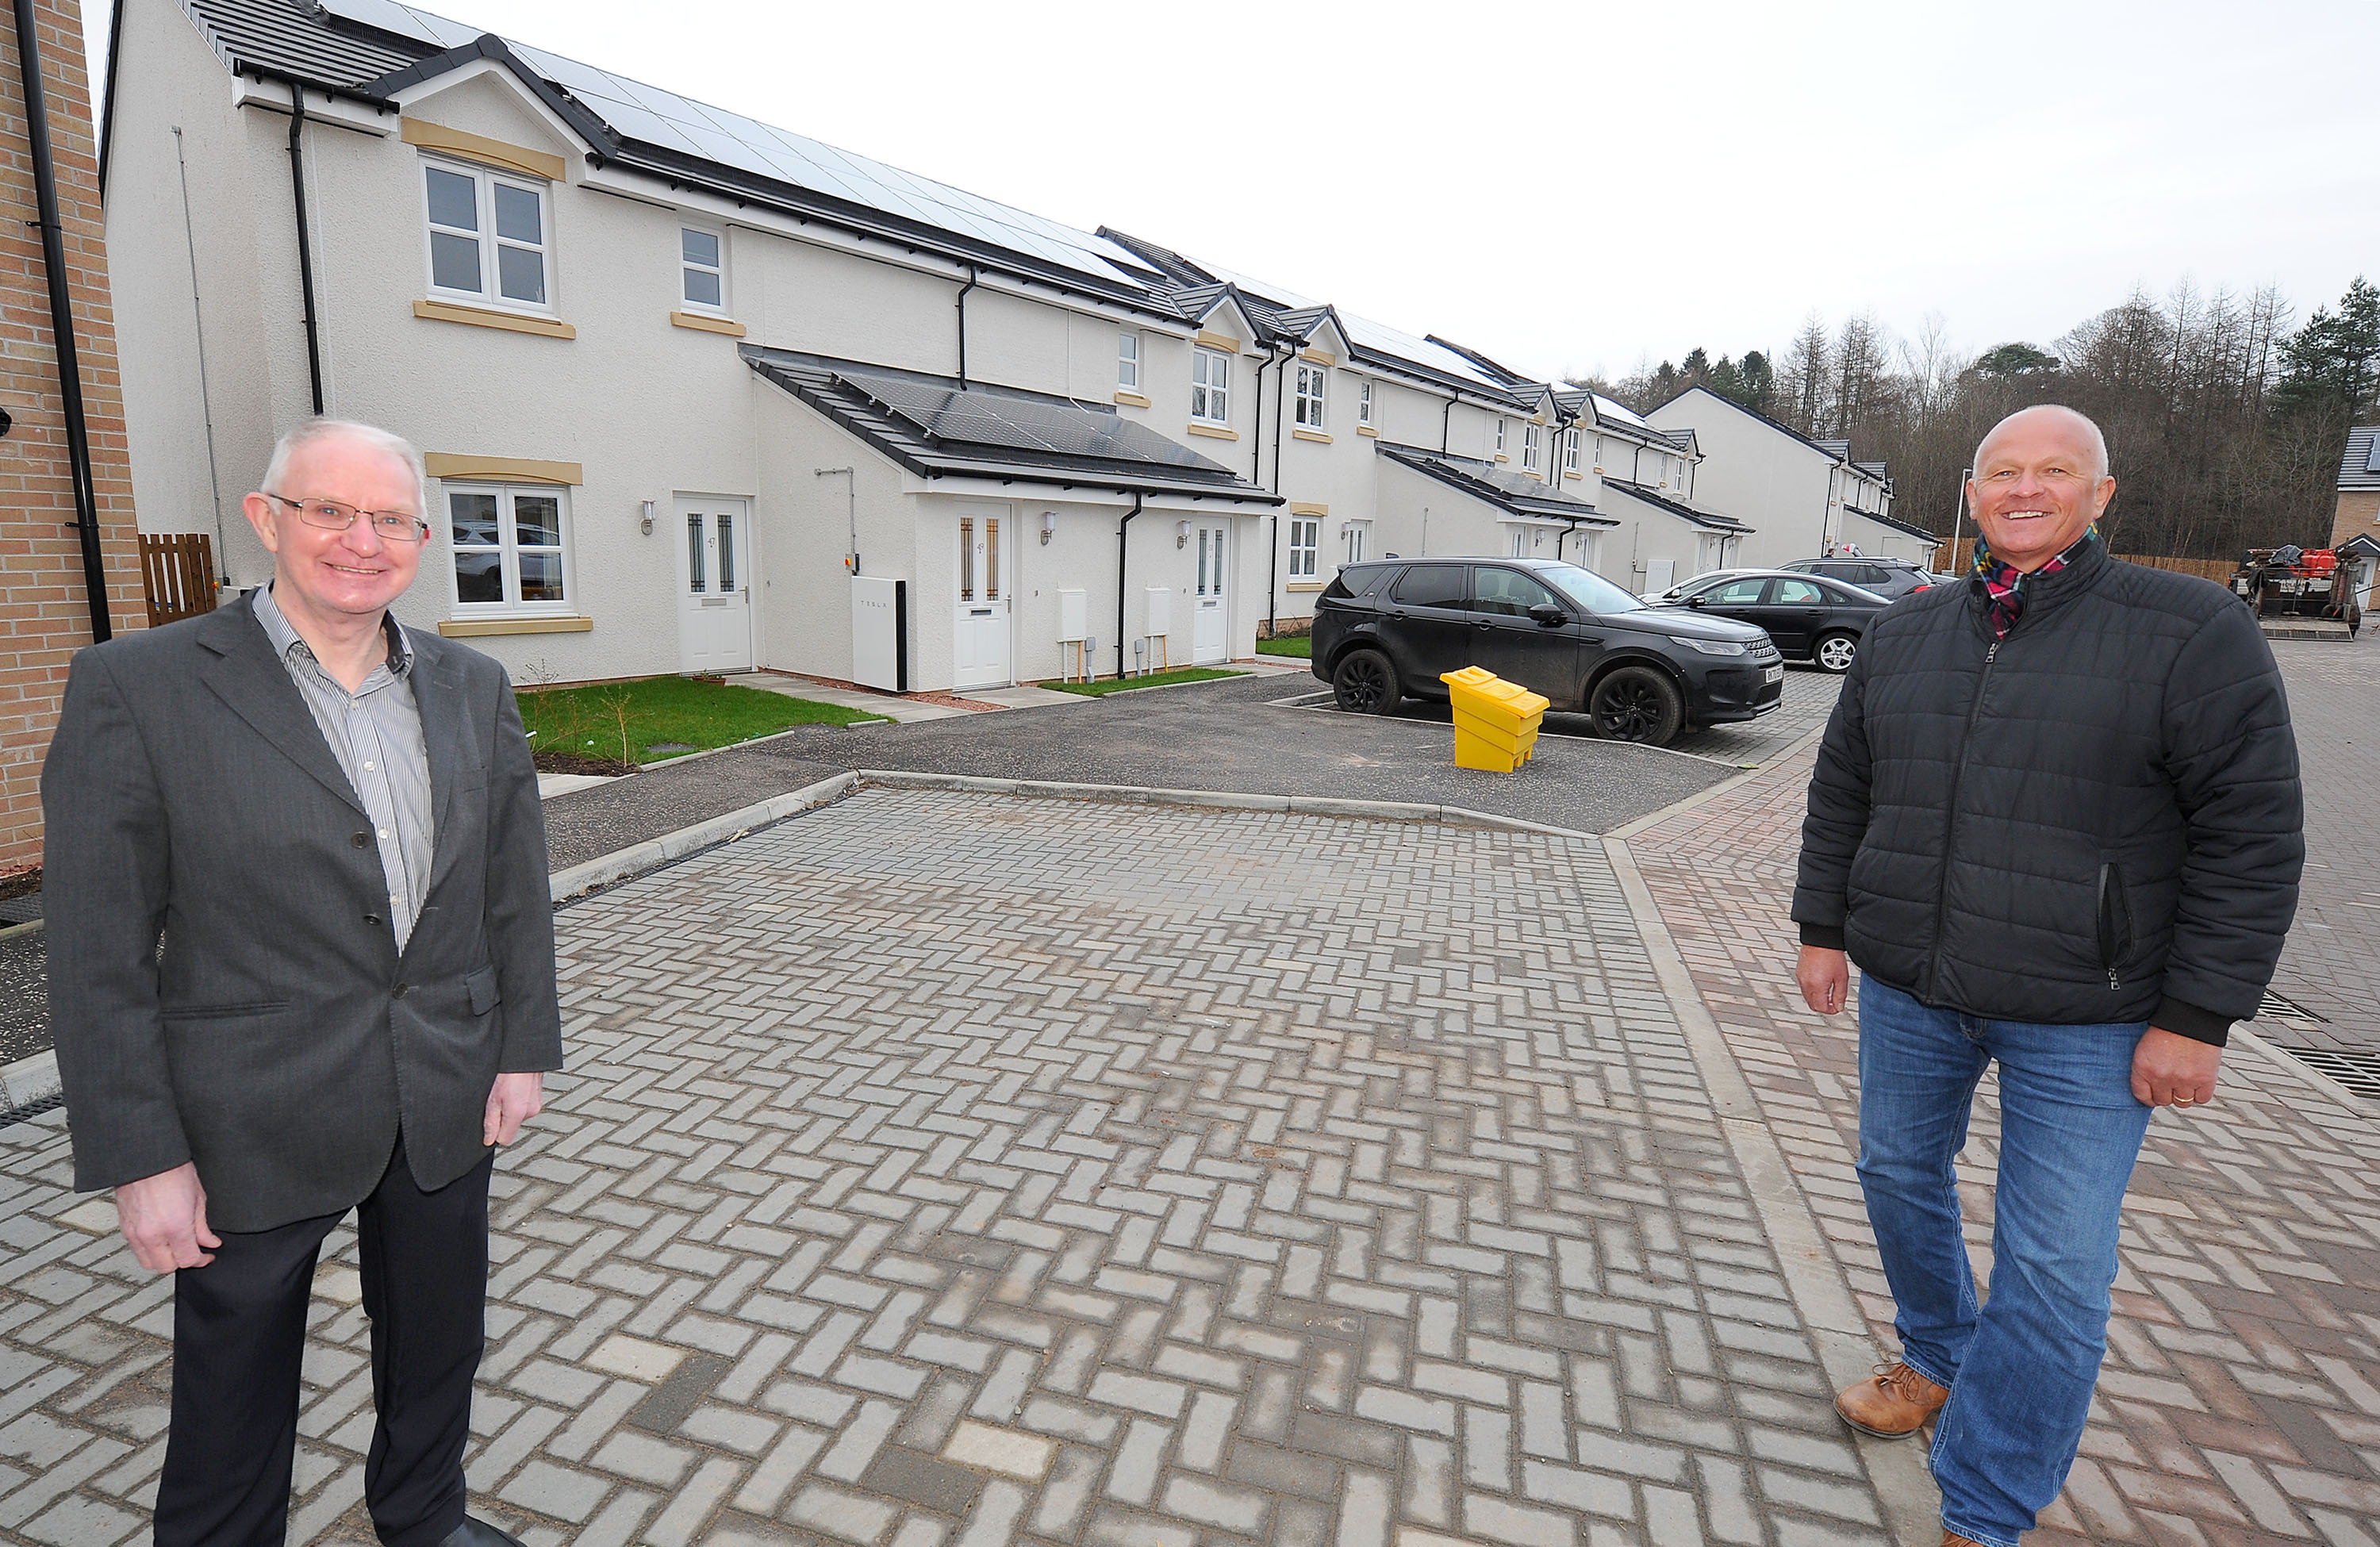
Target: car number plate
{"points": [[1774, 673]]}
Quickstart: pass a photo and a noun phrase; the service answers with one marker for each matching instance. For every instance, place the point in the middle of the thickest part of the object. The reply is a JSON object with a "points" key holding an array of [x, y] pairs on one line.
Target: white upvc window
{"points": [[1128, 361], [1531, 442], [703, 269], [1309, 394], [1520, 544], [1364, 401], [489, 236], [1355, 538], [1210, 386], [510, 545], [1500, 435], [1570, 451], [1304, 542]]}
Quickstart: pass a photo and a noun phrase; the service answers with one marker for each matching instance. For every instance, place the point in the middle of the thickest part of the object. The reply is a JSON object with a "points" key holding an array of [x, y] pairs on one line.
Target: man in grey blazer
{"points": [[301, 961]]}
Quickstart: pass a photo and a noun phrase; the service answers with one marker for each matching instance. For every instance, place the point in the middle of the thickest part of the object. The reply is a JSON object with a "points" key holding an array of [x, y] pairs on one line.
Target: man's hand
{"points": [[164, 1219], [516, 1099], [2169, 1069], [1826, 978]]}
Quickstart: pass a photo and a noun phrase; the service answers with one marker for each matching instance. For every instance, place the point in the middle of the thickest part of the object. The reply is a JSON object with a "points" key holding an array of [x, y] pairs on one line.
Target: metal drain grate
{"points": [[2277, 1011], [2360, 1072]]}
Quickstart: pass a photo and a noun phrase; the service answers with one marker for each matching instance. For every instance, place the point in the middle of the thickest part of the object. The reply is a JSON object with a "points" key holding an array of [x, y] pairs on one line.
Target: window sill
{"points": [[1214, 432], [1501, 457], [1131, 399], [1365, 430], [1573, 474], [1318, 436], [486, 317], [477, 627], [1300, 587], [702, 323]]}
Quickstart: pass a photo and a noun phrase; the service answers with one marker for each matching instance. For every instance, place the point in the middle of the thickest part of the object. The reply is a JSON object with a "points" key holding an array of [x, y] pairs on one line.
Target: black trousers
{"points": [[240, 1334]]}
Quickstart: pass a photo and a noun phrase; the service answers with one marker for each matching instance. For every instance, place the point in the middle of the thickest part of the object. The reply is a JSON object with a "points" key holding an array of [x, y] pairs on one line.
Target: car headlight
{"points": [[1712, 646]]}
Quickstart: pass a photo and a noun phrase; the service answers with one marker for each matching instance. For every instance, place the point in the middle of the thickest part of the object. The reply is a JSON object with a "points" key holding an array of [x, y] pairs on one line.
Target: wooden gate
{"points": [[179, 571]]}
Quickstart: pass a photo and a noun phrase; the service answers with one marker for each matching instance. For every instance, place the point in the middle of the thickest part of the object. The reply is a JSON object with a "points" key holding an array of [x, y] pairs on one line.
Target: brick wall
{"points": [[44, 615], [2358, 515]]}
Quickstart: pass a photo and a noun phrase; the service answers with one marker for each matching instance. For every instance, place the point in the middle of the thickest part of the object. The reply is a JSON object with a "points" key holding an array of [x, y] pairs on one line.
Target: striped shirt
{"points": [[375, 732]]}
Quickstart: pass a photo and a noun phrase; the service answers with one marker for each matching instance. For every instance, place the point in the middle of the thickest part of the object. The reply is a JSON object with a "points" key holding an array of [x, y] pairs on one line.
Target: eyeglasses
{"points": [[393, 526]]}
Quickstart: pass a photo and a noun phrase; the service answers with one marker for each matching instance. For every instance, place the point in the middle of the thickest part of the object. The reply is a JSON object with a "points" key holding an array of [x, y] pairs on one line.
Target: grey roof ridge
{"points": [[1754, 413], [1711, 519], [1440, 466], [874, 426]]}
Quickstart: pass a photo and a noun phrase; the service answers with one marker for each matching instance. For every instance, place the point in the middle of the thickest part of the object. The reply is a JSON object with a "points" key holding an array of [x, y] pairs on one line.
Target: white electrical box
{"points": [[1659, 576], [880, 633], [1161, 610], [1074, 617]]}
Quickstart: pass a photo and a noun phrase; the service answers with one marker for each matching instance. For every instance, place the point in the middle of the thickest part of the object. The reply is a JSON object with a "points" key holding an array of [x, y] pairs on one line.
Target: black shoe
{"points": [[479, 1533]]}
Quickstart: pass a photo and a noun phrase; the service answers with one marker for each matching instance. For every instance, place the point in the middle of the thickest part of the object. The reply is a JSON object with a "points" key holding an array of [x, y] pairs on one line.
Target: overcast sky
{"points": [[1574, 186]]}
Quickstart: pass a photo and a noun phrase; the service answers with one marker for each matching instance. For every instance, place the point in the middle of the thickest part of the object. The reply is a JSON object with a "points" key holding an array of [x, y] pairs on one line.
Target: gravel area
{"points": [[24, 997]]}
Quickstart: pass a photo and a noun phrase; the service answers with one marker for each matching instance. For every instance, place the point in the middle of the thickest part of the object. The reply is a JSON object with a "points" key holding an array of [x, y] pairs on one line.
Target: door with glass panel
{"points": [[714, 585], [986, 565], [1210, 623]]}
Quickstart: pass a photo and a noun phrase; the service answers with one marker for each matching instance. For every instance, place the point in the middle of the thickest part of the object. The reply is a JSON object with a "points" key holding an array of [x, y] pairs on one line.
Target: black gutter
{"points": [[1445, 417], [1123, 544], [304, 240], [963, 296], [53, 258]]}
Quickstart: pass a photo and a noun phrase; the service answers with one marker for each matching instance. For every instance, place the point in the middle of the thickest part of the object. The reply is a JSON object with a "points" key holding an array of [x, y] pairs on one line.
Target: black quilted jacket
{"points": [[2096, 819]]}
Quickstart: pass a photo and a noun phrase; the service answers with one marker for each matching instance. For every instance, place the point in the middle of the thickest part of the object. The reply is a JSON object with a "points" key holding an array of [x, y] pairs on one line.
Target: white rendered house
{"points": [[684, 381]]}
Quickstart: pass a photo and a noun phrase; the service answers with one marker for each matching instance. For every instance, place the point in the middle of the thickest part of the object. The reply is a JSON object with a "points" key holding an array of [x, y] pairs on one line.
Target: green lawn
{"points": [[585, 722], [1299, 645], [1155, 680]]}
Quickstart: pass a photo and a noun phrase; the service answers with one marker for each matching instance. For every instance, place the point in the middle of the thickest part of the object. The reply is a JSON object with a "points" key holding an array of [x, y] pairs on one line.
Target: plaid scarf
{"points": [[2004, 583]]}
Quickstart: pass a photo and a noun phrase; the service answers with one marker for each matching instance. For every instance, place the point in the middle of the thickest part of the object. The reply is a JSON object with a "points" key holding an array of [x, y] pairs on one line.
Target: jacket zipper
{"points": [[1950, 829], [2111, 945]]}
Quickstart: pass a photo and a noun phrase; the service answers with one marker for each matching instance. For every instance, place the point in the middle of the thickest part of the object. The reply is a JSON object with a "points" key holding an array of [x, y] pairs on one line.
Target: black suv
{"points": [[1387, 630], [1890, 577]]}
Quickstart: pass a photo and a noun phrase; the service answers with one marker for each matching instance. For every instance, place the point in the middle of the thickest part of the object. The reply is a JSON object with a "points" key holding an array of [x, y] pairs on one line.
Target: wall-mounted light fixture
{"points": [[645, 523], [1048, 526], [1181, 534]]}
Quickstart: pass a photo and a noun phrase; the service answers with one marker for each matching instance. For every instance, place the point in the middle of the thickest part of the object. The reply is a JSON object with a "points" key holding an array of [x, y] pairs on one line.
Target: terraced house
{"points": [[700, 394]]}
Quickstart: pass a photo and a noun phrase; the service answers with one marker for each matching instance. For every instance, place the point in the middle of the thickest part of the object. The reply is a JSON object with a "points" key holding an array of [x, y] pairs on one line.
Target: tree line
{"points": [[2225, 423]]}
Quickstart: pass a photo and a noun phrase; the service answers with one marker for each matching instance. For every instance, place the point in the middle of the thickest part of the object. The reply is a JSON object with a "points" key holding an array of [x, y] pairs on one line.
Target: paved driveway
{"points": [[2331, 965], [937, 1170]]}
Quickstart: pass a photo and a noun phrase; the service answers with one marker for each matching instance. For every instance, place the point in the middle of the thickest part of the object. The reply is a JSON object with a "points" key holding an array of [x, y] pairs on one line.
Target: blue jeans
{"points": [[2021, 1368]]}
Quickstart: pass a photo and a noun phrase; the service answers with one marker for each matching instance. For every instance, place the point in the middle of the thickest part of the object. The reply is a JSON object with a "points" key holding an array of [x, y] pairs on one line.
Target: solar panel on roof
{"points": [[652, 114], [1021, 424], [2371, 457]]}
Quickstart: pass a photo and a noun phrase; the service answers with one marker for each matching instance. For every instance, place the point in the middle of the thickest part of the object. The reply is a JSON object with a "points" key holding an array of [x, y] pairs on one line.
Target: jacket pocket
{"points": [[2115, 920], [481, 986], [223, 1012]]}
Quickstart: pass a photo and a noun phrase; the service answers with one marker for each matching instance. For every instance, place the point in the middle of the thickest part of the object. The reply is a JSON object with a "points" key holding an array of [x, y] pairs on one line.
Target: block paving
{"points": [[947, 1170], [2240, 1402], [2331, 964]]}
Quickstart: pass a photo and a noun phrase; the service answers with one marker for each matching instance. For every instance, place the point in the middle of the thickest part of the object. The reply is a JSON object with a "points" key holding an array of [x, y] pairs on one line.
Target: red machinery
{"points": [[2293, 582]]}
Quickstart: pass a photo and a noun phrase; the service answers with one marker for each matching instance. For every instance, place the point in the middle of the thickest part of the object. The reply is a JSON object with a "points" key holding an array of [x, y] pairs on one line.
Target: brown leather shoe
{"points": [[1892, 1404], [1952, 1539]]}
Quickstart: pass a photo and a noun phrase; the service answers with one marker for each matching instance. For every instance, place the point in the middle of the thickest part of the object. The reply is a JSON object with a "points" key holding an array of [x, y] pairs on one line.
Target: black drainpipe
{"points": [[1445, 417], [1122, 528], [304, 240], [1272, 560], [53, 258], [970, 285]]}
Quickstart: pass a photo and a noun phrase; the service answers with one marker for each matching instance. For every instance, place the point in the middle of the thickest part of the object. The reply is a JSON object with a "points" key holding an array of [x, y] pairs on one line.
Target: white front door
{"points": [[1211, 624], [985, 564], [714, 592]]}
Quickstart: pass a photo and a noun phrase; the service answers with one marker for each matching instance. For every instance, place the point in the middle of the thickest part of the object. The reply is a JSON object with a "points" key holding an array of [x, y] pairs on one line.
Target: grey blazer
{"points": [[225, 983]]}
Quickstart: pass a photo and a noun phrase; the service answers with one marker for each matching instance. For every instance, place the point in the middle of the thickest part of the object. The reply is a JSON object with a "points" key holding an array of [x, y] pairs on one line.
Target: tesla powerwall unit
{"points": [[1074, 618], [880, 633], [1161, 610]]}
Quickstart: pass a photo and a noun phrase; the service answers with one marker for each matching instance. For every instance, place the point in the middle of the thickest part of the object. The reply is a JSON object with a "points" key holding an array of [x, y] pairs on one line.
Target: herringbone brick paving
{"points": [[2331, 964], [2241, 1398], [952, 1171]]}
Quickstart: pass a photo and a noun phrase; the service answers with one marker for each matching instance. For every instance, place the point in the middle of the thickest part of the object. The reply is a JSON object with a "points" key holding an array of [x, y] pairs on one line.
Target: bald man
{"points": [[2056, 822]]}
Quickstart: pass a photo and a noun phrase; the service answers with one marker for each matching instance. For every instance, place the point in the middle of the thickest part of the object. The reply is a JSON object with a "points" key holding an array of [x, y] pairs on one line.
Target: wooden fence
{"points": [[2217, 570], [179, 571]]}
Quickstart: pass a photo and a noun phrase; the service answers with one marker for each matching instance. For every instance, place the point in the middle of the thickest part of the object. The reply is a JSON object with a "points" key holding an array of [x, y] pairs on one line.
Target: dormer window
{"points": [[1309, 395], [488, 239], [1530, 444], [1570, 451], [1211, 382]]}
